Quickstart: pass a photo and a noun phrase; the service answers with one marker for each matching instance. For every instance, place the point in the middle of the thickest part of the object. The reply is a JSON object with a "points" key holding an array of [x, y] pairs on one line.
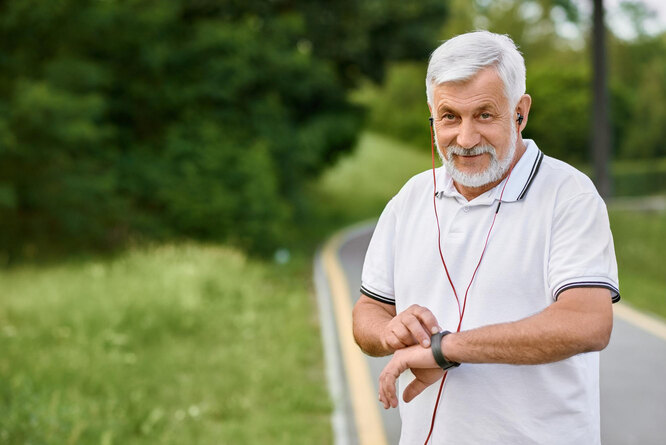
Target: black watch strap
{"points": [[436, 347]]}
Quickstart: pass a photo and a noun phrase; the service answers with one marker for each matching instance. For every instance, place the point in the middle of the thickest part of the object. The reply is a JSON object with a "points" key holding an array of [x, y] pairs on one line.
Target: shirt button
{"points": [[465, 209]]}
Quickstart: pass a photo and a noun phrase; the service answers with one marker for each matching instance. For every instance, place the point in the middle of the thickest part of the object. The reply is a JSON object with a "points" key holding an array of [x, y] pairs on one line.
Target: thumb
{"points": [[413, 389]]}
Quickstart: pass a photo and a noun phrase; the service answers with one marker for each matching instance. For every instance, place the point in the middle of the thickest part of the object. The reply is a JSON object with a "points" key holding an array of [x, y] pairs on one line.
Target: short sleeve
{"points": [[581, 249], [377, 275]]}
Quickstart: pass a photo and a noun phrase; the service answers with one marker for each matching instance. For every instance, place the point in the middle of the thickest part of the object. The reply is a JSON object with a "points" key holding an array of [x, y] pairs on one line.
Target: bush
{"points": [[168, 119], [398, 108]]}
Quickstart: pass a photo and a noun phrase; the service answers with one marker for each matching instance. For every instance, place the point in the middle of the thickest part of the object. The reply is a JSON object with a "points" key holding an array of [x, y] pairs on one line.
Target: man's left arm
{"points": [[580, 256], [579, 321]]}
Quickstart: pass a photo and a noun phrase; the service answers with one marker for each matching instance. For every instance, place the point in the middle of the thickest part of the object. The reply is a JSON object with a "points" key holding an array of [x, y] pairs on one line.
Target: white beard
{"points": [[495, 171]]}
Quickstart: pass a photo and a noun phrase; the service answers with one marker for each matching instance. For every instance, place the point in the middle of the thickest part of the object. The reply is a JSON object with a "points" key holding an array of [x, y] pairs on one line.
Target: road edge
{"points": [[333, 294], [645, 321], [341, 423]]}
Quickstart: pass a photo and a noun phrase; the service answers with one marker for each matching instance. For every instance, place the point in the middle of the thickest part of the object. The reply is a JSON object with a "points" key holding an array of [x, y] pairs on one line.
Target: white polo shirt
{"points": [[551, 234]]}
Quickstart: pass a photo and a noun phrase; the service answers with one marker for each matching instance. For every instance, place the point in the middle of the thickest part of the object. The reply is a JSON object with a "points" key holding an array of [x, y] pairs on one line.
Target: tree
{"points": [[185, 118]]}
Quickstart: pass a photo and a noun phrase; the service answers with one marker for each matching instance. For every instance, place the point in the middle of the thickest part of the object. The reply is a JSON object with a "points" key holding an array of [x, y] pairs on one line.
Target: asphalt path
{"points": [[633, 369]]}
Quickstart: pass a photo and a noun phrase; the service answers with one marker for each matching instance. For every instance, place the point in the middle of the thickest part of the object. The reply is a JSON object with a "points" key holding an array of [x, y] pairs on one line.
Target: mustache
{"points": [[478, 150]]}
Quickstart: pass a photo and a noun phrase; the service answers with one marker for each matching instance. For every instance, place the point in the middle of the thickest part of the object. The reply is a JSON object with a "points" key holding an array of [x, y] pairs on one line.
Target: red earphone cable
{"points": [[461, 311]]}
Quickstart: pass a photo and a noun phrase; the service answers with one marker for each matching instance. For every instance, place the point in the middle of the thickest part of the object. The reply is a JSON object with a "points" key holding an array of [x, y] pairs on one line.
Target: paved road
{"points": [[633, 367]]}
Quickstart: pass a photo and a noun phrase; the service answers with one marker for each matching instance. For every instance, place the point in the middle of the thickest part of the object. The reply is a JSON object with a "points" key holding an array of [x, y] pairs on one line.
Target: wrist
{"points": [[437, 347], [449, 348]]}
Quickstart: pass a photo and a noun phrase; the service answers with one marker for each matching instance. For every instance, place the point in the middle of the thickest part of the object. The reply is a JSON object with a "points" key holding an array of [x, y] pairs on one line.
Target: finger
{"points": [[387, 381], [382, 399], [396, 336], [413, 389], [382, 390], [394, 342], [427, 319], [399, 365], [402, 334], [381, 394], [384, 396], [417, 331], [393, 397], [387, 386]]}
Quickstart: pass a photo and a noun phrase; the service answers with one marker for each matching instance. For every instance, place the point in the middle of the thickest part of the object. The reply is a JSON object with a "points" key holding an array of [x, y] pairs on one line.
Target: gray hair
{"points": [[461, 57]]}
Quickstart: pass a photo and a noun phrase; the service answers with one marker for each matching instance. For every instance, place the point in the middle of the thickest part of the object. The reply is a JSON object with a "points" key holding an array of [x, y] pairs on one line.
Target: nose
{"points": [[468, 136]]}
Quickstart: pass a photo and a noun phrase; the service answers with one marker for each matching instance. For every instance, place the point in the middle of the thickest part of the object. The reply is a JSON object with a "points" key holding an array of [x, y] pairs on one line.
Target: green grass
{"points": [[639, 166], [180, 344], [639, 247], [635, 177], [359, 187]]}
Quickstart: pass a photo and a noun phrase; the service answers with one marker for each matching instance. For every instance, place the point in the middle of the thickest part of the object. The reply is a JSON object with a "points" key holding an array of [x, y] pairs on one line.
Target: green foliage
{"points": [[177, 344], [637, 72], [558, 79], [559, 122], [640, 74], [198, 119], [398, 108]]}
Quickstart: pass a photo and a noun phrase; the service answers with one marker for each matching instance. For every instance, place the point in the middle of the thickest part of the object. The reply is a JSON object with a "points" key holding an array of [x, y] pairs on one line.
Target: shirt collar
{"points": [[521, 178], [523, 173]]}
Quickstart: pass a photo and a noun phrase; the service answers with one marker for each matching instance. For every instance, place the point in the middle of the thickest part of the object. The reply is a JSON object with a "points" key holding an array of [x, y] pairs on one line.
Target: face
{"points": [[475, 126]]}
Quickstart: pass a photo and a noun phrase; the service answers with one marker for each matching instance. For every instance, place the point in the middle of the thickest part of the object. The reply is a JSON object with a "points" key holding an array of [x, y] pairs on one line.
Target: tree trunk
{"points": [[601, 140]]}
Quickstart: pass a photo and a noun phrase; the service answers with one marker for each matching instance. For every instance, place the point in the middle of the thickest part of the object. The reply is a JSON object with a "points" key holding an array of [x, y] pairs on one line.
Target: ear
{"points": [[523, 108]]}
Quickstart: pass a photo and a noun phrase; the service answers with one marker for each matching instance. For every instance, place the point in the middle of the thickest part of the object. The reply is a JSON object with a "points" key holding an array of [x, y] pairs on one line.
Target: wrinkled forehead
{"points": [[461, 78], [484, 86]]}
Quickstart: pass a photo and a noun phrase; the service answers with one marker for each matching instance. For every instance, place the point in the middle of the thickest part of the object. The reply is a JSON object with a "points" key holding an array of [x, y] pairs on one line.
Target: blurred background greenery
{"points": [[134, 120], [168, 168]]}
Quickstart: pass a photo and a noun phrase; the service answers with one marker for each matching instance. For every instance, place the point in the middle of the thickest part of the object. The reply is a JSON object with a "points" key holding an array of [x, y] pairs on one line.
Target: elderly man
{"points": [[505, 247]]}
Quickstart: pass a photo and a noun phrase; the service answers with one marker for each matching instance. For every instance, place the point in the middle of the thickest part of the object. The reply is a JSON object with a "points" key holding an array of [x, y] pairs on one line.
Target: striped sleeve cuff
{"points": [[615, 292], [375, 296]]}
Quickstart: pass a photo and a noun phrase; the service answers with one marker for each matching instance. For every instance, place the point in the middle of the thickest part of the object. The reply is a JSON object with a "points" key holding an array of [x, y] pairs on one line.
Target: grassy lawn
{"points": [[639, 247], [359, 187], [637, 177], [184, 344]]}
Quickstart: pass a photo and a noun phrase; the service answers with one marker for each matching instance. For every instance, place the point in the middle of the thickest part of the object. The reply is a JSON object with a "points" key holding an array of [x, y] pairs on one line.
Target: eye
{"points": [[485, 116], [448, 116]]}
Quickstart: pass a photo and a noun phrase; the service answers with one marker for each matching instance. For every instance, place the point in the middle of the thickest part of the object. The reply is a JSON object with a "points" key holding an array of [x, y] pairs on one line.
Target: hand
{"points": [[423, 366], [413, 325]]}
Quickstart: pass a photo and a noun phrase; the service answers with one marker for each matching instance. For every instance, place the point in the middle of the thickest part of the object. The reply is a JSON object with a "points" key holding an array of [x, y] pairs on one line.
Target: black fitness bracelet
{"points": [[436, 347]]}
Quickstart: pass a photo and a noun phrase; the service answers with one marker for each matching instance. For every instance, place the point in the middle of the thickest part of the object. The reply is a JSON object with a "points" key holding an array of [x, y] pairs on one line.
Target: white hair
{"points": [[461, 57]]}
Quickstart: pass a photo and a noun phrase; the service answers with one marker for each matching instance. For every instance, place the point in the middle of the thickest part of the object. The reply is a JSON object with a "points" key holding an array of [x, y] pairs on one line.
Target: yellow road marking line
{"points": [[364, 400], [645, 322]]}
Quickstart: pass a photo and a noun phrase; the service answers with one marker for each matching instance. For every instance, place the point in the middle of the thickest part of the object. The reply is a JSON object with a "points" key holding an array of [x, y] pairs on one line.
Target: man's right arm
{"points": [[379, 331]]}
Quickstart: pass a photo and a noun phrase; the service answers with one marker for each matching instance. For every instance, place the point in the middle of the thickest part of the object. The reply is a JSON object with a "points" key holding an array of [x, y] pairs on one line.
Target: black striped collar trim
{"points": [[533, 173], [519, 175], [376, 296]]}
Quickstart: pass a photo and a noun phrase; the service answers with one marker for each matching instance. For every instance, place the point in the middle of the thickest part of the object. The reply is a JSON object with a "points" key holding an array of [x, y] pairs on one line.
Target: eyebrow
{"points": [[484, 106], [444, 109]]}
